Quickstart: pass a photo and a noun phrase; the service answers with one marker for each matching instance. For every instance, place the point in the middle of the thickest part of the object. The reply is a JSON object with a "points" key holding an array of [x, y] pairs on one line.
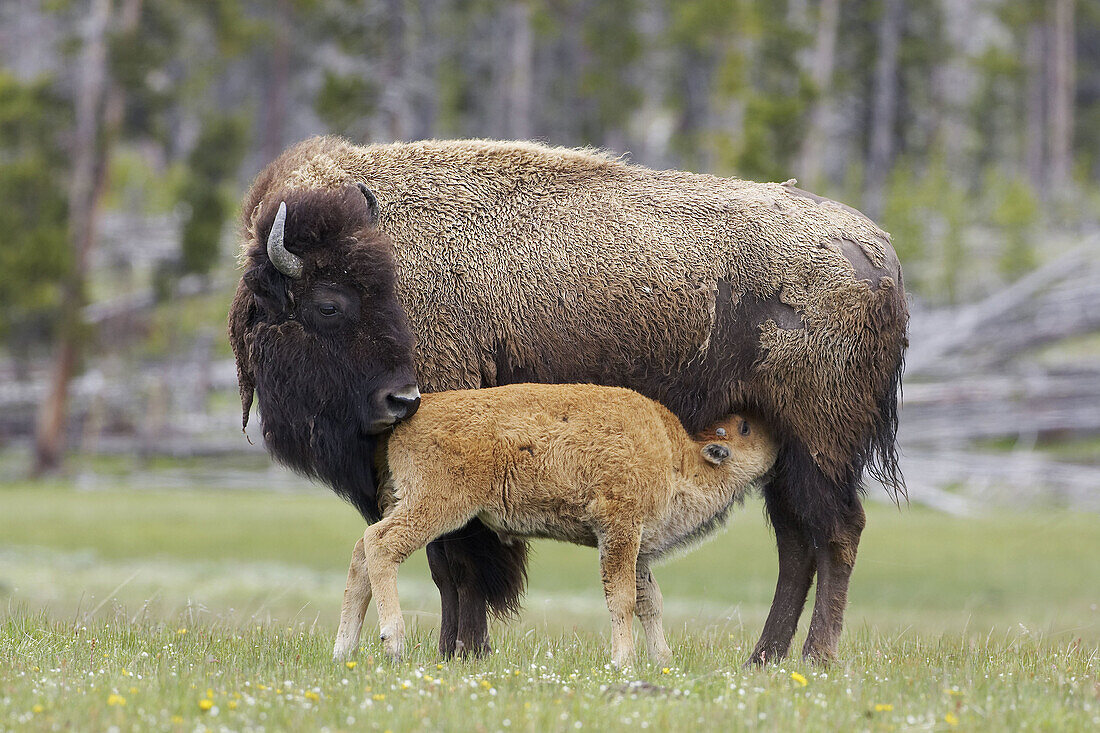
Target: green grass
{"points": [[988, 623]]}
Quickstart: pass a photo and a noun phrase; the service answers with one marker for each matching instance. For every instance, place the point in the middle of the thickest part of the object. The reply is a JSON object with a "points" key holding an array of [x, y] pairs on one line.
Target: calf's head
{"points": [[741, 445], [316, 326]]}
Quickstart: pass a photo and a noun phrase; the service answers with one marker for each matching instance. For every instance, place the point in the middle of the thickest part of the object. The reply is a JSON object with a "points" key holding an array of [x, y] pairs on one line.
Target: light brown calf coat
{"points": [[597, 466]]}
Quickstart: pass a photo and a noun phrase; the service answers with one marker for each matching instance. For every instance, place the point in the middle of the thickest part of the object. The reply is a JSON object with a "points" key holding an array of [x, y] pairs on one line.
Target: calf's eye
{"points": [[328, 310], [744, 427]]}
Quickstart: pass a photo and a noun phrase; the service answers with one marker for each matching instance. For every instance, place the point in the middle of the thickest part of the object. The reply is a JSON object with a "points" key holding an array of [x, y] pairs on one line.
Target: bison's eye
{"points": [[328, 310], [744, 427]]}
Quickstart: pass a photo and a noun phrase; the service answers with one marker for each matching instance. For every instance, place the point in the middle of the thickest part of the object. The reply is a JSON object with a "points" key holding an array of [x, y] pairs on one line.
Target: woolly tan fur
{"points": [[526, 243], [597, 466]]}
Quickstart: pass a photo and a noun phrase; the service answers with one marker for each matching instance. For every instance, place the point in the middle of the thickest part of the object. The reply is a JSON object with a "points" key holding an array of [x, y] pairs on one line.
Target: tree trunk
{"points": [[1035, 138], [809, 168], [1060, 115], [100, 106], [518, 102], [88, 167], [884, 107], [394, 80], [278, 83]]}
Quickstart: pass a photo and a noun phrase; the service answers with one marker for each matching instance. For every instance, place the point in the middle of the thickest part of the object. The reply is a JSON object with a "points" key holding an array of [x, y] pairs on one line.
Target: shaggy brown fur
{"points": [[516, 262], [596, 466]]}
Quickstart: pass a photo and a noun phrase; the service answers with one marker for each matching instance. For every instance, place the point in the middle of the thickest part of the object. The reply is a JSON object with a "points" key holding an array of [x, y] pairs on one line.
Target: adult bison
{"points": [[516, 262]]}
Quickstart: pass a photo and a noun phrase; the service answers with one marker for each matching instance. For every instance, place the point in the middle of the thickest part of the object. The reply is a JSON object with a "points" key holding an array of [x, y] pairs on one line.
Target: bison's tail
{"points": [[882, 448], [499, 569]]}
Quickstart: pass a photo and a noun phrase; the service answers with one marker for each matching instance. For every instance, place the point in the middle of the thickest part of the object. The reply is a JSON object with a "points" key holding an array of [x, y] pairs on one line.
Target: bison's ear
{"points": [[269, 289], [372, 204], [242, 315], [715, 453]]}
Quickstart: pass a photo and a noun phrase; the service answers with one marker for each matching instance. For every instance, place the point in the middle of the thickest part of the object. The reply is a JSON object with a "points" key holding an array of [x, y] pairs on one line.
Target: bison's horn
{"points": [[285, 262]]}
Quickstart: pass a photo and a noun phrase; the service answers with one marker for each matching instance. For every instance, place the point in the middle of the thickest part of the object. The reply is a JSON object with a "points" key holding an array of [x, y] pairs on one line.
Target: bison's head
{"points": [[317, 329]]}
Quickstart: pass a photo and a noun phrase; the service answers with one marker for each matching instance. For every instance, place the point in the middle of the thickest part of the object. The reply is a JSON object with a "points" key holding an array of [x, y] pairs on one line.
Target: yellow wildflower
{"points": [[133, 690], [439, 666], [205, 704], [799, 679], [951, 719], [37, 709], [181, 632], [177, 719], [232, 704], [428, 678], [210, 692], [114, 699], [311, 695], [485, 684], [378, 696], [883, 707], [350, 665], [666, 670]]}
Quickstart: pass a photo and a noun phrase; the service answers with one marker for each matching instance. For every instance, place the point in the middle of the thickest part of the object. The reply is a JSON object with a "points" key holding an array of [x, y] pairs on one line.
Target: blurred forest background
{"points": [[129, 129]]}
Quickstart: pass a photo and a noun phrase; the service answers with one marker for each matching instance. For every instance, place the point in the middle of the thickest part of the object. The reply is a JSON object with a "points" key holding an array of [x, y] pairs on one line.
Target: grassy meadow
{"points": [[185, 609]]}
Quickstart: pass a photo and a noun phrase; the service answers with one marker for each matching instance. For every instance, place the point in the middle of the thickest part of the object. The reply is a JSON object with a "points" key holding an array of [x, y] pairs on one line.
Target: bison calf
{"points": [[597, 466]]}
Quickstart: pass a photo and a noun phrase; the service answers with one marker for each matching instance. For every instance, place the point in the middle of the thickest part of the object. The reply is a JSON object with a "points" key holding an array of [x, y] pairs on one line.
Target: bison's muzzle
{"points": [[396, 406]]}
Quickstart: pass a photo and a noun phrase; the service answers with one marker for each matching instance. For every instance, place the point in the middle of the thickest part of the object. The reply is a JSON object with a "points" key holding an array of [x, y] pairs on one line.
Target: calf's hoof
{"points": [[393, 643], [622, 661], [661, 656], [342, 652]]}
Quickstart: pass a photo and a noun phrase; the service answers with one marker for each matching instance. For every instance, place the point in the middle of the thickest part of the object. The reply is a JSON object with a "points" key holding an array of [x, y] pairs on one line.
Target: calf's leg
{"points": [[650, 609], [388, 543], [618, 563], [357, 594]]}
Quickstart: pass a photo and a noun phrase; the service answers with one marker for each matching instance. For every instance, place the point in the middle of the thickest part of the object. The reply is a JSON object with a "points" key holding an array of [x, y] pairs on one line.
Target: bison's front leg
{"points": [[439, 565], [357, 594], [465, 620]]}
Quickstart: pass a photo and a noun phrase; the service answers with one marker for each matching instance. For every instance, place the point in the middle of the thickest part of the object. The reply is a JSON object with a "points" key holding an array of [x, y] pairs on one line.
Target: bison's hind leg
{"points": [[817, 523]]}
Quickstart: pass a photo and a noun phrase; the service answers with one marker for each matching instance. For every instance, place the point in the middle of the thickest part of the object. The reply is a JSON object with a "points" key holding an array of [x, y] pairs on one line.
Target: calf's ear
{"points": [[715, 453]]}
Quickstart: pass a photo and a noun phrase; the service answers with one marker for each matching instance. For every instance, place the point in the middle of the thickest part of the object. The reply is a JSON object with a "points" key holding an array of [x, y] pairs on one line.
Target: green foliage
{"points": [[212, 164], [612, 44], [779, 100], [34, 255], [926, 211], [1015, 212], [345, 104]]}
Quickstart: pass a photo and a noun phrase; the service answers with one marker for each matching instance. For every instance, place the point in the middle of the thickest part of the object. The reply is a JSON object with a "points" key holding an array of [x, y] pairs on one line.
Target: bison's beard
{"points": [[314, 429], [331, 447]]}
